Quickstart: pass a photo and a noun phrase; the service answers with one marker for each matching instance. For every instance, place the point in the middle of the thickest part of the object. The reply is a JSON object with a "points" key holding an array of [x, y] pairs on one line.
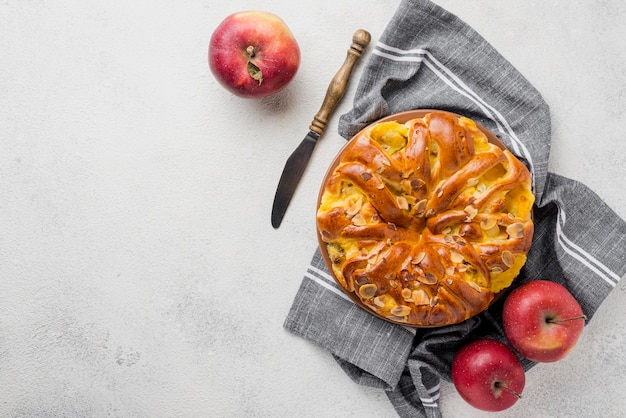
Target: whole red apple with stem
{"points": [[542, 320], [488, 375], [253, 54]]}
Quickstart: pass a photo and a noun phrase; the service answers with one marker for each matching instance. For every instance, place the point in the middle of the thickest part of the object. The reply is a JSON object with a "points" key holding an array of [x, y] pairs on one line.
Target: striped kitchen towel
{"points": [[427, 58]]}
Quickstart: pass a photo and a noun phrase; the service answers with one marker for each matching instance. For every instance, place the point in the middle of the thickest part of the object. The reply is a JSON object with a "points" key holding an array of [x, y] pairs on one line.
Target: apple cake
{"points": [[422, 223]]}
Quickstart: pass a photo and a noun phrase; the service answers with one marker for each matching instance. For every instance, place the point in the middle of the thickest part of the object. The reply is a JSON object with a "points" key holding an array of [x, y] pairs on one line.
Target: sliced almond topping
{"points": [[400, 319], [449, 281], [472, 182], [368, 291], [381, 186], [420, 207], [450, 270], [515, 230], [417, 184], [471, 211], [434, 301], [427, 278], [366, 176], [459, 240], [446, 230], [510, 216], [392, 226], [393, 284], [420, 297], [386, 162], [474, 286], [456, 257], [418, 258], [439, 192], [481, 187], [493, 232], [497, 270], [508, 258], [359, 220], [488, 223], [380, 170], [406, 293], [400, 310], [448, 239], [363, 280], [379, 302], [354, 207], [402, 202]]}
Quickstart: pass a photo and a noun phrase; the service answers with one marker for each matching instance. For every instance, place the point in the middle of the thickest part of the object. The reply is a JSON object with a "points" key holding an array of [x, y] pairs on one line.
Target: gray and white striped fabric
{"points": [[427, 58]]}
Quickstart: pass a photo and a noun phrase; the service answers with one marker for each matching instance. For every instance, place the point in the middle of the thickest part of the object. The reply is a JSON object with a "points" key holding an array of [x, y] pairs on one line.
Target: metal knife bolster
{"points": [[289, 179]]}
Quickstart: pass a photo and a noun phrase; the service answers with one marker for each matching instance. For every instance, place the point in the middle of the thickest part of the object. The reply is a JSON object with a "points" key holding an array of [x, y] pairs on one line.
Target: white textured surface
{"points": [[139, 273]]}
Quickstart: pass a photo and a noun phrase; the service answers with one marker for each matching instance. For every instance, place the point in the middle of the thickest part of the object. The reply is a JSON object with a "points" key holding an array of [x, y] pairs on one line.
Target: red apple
{"points": [[488, 375], [542, 320], [253, 54]]}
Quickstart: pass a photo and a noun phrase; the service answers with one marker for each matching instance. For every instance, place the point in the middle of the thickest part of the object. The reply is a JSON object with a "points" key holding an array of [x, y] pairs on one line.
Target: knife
{"points": [[297, 162]]}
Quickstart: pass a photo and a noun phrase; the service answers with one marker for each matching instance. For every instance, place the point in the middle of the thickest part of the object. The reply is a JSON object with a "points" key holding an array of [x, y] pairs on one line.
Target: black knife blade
{"points": [[297, 162], [292, 173]]}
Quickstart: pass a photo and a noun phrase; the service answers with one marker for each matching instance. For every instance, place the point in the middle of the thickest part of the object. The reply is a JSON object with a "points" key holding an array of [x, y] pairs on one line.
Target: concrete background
{"points": [[139, 272]]}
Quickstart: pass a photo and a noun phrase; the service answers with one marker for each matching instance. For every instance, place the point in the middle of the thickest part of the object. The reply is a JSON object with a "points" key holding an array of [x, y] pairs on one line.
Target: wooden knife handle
{"points": [[337, 87]]}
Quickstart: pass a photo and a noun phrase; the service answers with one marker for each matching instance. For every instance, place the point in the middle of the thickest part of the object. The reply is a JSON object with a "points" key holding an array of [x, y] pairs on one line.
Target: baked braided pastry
{"points": [[425, 221]]}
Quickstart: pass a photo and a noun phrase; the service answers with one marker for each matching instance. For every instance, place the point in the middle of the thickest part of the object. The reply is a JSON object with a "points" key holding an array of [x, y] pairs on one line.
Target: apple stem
{"points": [[250, 51], [508, 389], [576, 318]]}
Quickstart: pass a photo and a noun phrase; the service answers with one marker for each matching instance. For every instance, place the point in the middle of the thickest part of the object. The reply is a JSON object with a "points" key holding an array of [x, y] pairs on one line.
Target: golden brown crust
{"points": [[425, 221]]}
